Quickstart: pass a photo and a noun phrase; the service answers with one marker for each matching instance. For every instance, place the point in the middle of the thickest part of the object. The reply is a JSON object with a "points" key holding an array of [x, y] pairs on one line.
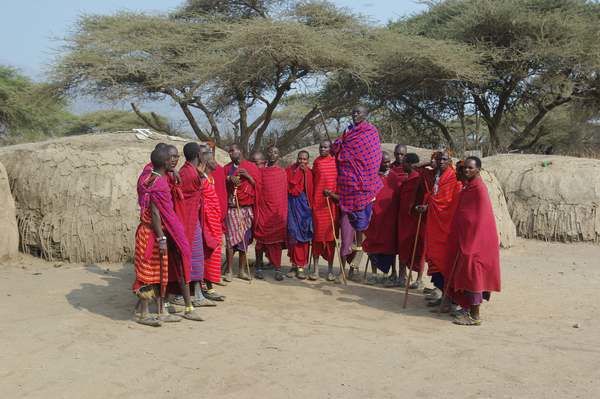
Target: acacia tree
{"points": [[538, 54], [207, 64]]}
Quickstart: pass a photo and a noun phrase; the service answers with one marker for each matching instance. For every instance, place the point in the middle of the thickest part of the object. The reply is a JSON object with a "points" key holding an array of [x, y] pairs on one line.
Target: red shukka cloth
{"points": [[325, 177], [380, 236], [272, 207], [440, 211], [408, 220], [473, 246]]}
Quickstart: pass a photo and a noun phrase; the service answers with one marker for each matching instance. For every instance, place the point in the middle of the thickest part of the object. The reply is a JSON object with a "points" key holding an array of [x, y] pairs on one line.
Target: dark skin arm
{"points": [[157, 227], [330, 194], [244, 173]]}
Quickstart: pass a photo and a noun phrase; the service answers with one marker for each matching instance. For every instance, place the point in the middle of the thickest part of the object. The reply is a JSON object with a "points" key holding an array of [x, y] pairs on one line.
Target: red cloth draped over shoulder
{"points": [[440, 211], [221, 189], [247, 193], [473, 243], [325, 178], [212, 230], [408, 219], [189, 207], [380, 236], [272, 208], [300, 181], [146, 172], [158, 191], [176, 260]]}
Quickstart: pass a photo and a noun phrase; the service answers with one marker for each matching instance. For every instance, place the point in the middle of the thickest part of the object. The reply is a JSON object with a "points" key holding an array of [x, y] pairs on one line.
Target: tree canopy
{"points": [[437, 77]]}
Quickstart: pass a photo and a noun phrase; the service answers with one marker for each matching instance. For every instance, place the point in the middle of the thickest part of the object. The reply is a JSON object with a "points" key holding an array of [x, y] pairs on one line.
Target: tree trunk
{"points": [[192, 121]]}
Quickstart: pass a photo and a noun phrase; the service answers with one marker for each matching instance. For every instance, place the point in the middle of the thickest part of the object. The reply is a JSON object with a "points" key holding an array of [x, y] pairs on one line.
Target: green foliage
{"points": [[28, 110], [537, 54]]}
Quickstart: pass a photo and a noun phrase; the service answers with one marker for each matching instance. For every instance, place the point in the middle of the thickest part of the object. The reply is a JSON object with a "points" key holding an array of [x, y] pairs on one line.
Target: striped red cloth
{"points": [[325, 178], [147, 263], [212, 229], [272, 208], [358, 155]]}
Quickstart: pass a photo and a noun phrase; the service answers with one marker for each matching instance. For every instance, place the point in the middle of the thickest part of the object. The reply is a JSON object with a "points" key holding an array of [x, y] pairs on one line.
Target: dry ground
{"points": [[66, 333]]}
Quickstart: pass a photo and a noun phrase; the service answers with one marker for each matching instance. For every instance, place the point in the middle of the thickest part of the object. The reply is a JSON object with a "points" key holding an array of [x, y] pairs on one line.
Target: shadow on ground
{"points": [[113, 300]]}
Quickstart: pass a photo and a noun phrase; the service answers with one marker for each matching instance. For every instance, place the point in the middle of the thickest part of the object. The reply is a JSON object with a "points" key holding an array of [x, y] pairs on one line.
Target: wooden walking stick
{"points": [[412, 262], [366, 267], [337, 246], [243, 225]]}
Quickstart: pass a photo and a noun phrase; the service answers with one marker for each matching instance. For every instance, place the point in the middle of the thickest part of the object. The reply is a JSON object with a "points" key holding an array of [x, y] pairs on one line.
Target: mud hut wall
{"points": [[9, 234], [551, 197], [76, 198]]}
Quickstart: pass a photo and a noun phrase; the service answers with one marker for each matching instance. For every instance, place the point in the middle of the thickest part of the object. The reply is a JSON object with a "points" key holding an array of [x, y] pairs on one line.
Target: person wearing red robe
{"points": [[153, 246], [409, 227], [380, 236], [258, 159], [324, 210], [212, 230], [299, 226], [271, 213], [441, 190], [473, 261], [243, 187], [146, 171]]}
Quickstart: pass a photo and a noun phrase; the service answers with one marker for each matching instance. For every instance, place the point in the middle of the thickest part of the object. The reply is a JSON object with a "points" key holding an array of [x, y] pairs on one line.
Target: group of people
{"points": [[353, 201]]}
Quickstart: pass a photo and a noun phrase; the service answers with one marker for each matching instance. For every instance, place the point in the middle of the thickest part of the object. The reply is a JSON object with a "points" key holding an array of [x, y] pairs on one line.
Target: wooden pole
{"points": [[337, 246], [412, 262], [366, 267]]}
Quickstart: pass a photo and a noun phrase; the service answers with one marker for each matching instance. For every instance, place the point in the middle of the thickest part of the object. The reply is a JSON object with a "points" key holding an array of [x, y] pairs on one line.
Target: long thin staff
{"points": [[243, 225], [324, 125], [366, 267], [412, 262], [337, 246]]}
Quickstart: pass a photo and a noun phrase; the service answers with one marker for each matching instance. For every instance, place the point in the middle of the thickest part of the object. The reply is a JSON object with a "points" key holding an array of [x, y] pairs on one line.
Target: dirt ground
{"points": [[66, 332]]}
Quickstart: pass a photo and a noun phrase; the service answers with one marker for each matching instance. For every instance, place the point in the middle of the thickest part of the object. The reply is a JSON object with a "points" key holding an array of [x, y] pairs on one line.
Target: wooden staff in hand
{"points": [[243, 226], [412, 262], [337, 246]]}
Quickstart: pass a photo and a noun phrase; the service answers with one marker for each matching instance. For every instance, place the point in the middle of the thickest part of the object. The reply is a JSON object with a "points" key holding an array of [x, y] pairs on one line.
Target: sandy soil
{"points": [[66, 333]]}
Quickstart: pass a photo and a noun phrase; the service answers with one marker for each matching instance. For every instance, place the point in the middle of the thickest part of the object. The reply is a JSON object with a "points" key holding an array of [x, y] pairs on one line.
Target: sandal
{"points": [[391, 282], [278, 275], [466, 320], [416, 285], [301, 274], [202, 302], [193, 315], [292, 272], [259, 274], [228, 277], [150, 321], [213, 295], [243, 276], [169, 318], [313, 277], [330, 277], [371, 280]]}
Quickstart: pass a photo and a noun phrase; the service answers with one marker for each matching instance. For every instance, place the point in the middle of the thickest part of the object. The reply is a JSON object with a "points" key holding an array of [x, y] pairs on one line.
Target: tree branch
{"points": [[518, 141], [153, 124], [436, 122]]}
